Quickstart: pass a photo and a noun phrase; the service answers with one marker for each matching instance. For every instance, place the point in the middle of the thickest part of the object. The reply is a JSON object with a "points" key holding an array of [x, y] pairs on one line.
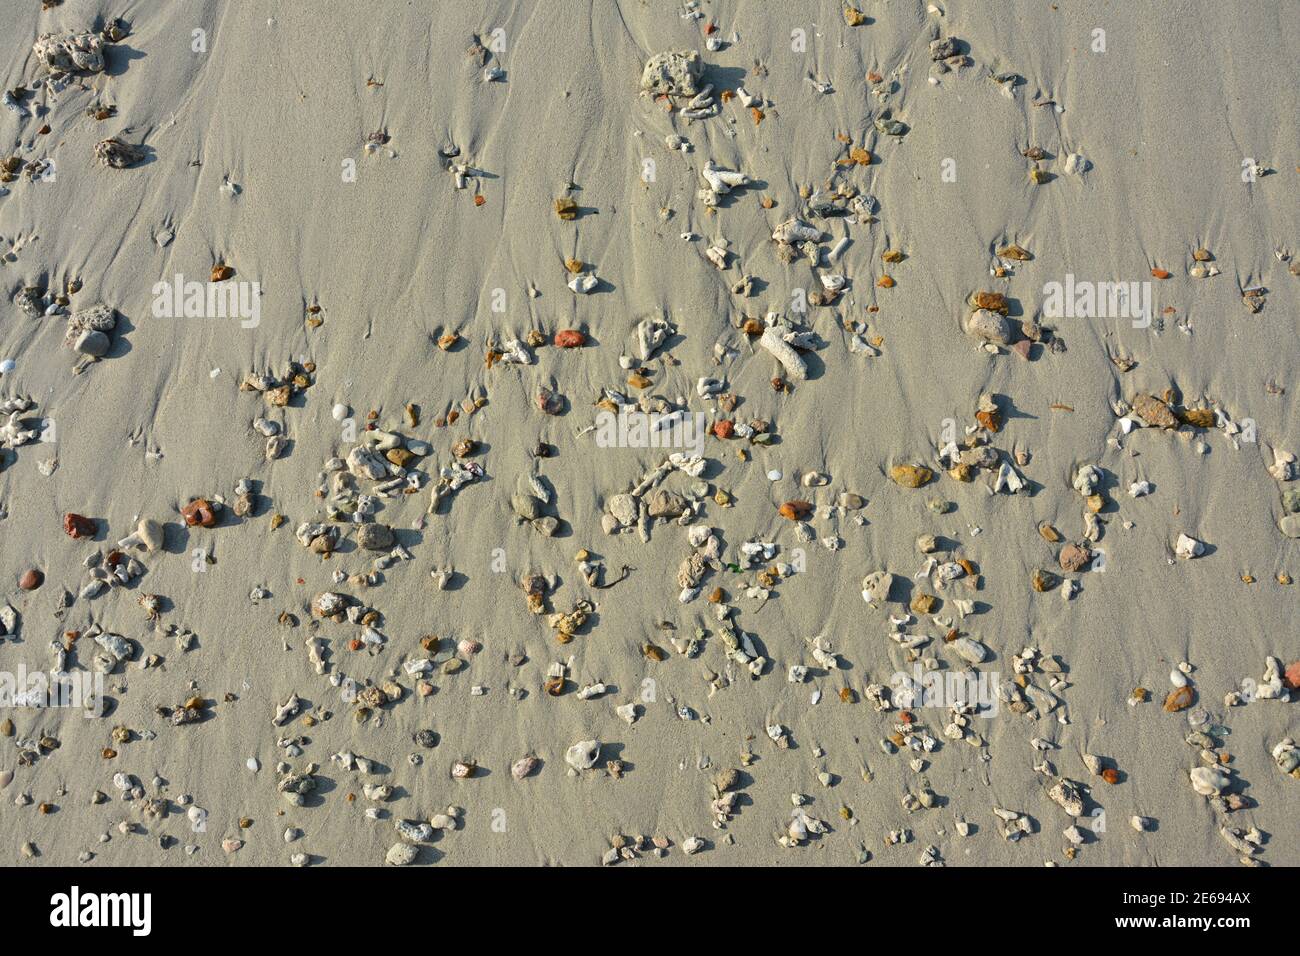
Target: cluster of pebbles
{"points": [[357, 524]]}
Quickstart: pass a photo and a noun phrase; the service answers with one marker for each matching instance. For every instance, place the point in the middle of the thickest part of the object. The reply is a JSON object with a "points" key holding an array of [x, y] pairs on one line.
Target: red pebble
{"points": [[199, 512], [724, 428], [1292, 676], [78, 526], [570, 339], [31, 579]]}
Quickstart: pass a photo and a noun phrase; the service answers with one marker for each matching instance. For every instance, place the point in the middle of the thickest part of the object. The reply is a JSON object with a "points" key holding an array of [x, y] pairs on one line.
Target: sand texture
{"points": [[307, 156]]}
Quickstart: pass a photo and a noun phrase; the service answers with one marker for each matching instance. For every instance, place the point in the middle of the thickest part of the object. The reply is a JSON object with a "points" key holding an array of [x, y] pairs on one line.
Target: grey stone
{"points": [[93, 342], [374, 536]]}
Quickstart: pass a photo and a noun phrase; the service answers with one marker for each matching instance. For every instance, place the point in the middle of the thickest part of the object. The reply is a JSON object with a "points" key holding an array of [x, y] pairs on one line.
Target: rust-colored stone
{"points": [[570, 339], [78, 526], [199, 512]]}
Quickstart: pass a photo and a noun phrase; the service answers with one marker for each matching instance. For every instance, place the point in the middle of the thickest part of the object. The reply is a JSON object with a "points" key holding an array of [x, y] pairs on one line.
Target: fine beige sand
{"points": [[280, 102]]}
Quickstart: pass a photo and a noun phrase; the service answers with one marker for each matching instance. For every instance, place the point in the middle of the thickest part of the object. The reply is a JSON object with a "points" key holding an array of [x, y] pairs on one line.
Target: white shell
{"points": [[583, 755]]}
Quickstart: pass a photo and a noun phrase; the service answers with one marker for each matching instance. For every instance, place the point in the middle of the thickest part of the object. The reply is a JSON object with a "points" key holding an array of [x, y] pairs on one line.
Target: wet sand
{"points": [[281, 104]]}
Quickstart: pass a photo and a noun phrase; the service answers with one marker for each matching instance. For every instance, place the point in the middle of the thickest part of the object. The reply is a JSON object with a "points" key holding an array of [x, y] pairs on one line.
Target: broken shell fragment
{"points": [[583, 755], [1209, 781], [1187, 547], [1287, 756], [1013, 251], [1180, 698], [583, 283], [1076, 164], [989, 326], [876, 587]]}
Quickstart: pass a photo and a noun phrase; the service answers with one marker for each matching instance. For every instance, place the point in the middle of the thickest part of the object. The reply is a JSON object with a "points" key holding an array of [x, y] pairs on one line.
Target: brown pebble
{"points": [[1180, 698], [399, 456], [923, 603], [910, 476], [31, 579], [795, 510]]}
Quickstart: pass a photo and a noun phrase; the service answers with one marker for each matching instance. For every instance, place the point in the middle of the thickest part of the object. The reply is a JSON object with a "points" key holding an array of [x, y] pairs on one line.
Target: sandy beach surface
{"points": [[307, 157]]}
